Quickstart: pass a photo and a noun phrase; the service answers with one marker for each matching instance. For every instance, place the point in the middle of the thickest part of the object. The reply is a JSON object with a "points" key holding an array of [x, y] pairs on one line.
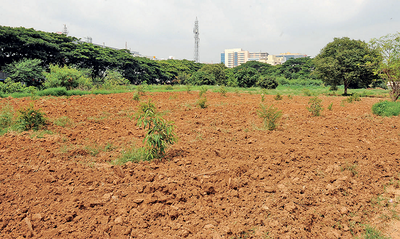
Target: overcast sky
{"points": [[164, 28]]}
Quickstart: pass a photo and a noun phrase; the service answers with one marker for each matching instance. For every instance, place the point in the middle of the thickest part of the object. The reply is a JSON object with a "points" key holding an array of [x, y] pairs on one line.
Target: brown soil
{"points": [[313, 177]]}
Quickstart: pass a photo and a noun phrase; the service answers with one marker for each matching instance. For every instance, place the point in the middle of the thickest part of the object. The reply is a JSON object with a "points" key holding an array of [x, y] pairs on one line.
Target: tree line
{"points": [[26, 53]]}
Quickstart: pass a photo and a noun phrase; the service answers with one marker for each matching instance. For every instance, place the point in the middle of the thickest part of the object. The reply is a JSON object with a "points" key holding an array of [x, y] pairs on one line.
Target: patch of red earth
{"points": [[314, 177]]}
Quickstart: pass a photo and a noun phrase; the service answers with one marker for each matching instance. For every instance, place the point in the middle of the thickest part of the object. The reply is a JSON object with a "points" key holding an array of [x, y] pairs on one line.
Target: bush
{"points": [[278, 97], [202, 102], [270, 116], [30, 118], [307, 92], [222, 90], [136, 96], [9, 86], [315, 106], [386, 108], [66, 77], [353, 97], [113, 80], [140, 90], [266, 82], [203, 90]]}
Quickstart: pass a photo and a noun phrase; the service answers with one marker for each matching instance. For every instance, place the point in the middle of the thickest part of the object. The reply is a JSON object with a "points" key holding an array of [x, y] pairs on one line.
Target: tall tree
{"points": [[346, 61], [389, 62]]}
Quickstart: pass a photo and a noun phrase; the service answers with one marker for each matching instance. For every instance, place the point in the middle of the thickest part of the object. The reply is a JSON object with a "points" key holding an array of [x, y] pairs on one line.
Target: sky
{"points": [[164, 28]]}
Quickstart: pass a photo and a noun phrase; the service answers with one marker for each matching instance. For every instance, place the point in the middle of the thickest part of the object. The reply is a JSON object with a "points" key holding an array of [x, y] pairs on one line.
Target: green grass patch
{"points": [[64, 121], [386, 108], [373, 233]]}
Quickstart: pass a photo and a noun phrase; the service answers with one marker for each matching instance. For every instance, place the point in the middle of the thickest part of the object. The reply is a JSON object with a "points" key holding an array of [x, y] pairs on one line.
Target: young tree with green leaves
{"points": [[389, 61], [345, 61]]}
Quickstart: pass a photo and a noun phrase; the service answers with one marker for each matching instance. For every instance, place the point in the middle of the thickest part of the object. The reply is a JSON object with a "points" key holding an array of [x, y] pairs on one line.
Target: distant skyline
{"points": [[164, 28]]}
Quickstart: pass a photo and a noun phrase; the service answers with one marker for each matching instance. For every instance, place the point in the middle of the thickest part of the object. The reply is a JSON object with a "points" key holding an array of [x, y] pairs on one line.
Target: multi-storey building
{"points": [[235, 57]]}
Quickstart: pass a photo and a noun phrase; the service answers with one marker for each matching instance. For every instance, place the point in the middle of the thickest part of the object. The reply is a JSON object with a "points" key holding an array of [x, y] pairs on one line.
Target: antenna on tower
{"points": [[65, 30], [196, 40]]}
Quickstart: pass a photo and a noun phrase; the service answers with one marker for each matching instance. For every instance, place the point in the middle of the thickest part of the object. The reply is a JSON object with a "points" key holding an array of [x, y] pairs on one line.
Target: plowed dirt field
{"points": [[313, 177]]}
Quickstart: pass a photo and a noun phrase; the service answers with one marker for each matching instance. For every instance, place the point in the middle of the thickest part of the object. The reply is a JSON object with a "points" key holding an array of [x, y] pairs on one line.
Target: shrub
{"points": [[307, 92], [160, 133], [30, 118], [66, 77], [9, 86], [113, 80], [222, 90], [188, 88], [278, 97], [386, 108], [267, 82], [353, 97], [136, 96], [140, 90], [315, 106], [202, 102], [203, 90], [270, 116]]}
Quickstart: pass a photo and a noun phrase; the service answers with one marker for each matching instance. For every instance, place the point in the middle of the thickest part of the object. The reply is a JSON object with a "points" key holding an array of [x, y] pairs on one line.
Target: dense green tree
{"points": [[346, 61], [21, 43], [172, 68], [247, 77], [27, 71], [261, 68], [202, 78], [296, 68], [267, 82], [218, 71], [389, 61]]}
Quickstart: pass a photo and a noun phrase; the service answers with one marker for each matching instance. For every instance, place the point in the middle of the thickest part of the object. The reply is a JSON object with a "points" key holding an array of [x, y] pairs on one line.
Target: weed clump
{"points": [[270, 116], [315, 106]]}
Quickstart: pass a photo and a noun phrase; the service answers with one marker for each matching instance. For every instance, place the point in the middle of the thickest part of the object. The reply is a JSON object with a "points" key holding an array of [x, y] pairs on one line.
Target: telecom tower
{"points": [[65, 30], [196, 41]]}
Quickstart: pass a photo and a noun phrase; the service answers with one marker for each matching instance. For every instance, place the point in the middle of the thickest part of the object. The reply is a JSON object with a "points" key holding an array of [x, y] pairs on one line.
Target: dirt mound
{"points": [[314, 177]]}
